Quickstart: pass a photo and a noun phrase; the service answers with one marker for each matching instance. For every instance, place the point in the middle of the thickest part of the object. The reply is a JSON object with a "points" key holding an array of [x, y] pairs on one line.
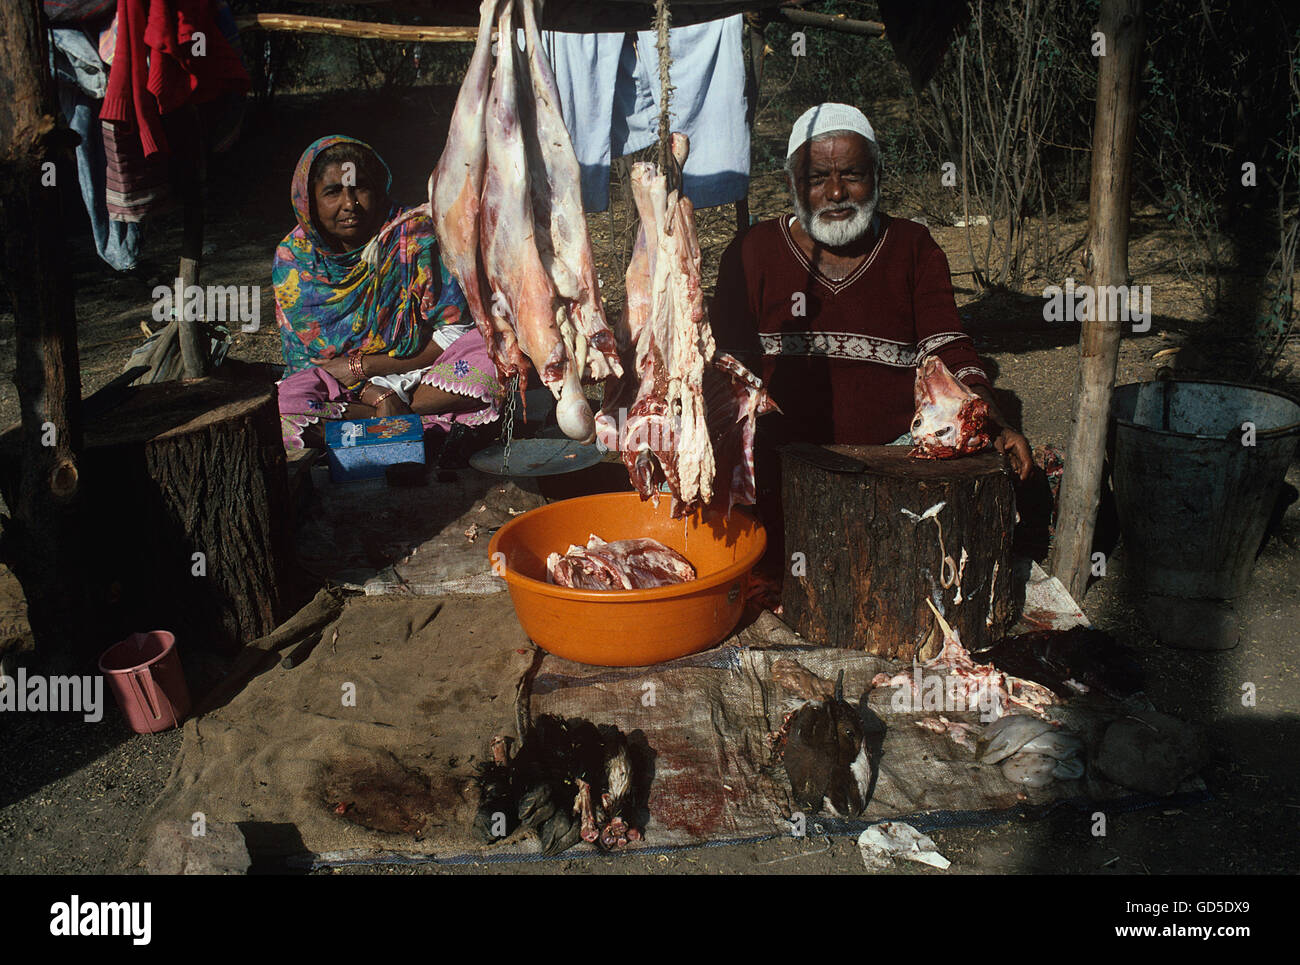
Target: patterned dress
{"points": [[387, 297]]}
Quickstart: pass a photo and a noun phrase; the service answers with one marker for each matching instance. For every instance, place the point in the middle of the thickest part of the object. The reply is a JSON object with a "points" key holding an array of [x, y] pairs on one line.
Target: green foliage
{"points": [[311, 62], [1216, 95], [846, 68]]}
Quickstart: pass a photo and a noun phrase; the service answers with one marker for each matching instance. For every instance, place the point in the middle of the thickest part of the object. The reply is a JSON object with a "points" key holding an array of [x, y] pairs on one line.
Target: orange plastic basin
{"points": [[628, 628]]}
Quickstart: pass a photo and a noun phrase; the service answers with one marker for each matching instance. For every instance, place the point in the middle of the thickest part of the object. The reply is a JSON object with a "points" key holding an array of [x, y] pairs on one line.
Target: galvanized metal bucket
{"points": [[1196, 468]]}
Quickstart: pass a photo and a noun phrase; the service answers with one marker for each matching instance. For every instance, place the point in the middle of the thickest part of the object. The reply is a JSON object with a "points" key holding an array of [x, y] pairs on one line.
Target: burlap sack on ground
{"points": [[286, 755], [707, 719], [410, 541], [303, 773]]}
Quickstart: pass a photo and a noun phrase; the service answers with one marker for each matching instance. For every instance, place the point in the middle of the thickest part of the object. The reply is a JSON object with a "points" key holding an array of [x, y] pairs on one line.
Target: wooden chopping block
{"points": [[875, 547], [185, 512]]}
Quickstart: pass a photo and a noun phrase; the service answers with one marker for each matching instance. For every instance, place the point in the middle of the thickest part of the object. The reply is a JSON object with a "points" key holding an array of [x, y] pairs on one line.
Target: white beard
{"points": [[837, 234]]}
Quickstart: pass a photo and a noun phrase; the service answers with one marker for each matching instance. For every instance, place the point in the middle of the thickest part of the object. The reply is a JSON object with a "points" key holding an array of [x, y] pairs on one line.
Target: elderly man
{"points": [[837, 304]]}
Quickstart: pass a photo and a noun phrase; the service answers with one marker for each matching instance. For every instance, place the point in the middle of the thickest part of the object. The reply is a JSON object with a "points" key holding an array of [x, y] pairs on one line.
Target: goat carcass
{"points": [[523, 296], [507, 205], [950, 419], [455, 195], [562, 239], [688, 417]]}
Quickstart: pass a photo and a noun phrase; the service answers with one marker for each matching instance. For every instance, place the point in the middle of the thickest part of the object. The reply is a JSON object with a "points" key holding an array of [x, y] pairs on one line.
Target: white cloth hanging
{"points": [[609, 95]]}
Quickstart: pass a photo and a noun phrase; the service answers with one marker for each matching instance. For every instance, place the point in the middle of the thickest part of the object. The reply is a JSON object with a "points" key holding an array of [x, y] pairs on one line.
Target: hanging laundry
{"points": [[609, 95], [157, 68], [82, 78], [68, 12]]}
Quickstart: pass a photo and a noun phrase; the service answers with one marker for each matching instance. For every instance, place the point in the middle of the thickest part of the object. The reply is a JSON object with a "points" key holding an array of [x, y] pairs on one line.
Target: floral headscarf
{"points": [[371, 300]]}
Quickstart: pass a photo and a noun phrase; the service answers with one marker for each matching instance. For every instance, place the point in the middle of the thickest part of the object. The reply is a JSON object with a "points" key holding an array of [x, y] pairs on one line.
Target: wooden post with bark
{"points": [[186, 516], [872, 535], [41, 542], [756, 26], [194, 348], [1106, 258]]}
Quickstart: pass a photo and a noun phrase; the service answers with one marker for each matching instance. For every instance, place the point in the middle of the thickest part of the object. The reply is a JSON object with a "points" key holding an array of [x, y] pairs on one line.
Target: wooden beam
{"points": [[41, 543], [1106, 257], [332, 26], [335, 27], [827, 21]]}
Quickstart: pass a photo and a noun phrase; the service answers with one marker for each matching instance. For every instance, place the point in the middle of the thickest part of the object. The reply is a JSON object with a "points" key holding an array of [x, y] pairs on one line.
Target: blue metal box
{"points": [[364, 448]]}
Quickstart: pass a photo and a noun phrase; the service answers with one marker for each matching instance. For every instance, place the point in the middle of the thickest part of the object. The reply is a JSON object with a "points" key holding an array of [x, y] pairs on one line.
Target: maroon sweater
{"points": [[843, 371]]}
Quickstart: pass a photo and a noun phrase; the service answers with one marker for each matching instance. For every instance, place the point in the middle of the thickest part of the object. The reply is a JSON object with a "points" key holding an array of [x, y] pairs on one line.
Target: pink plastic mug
{"points": [[144, 672]]}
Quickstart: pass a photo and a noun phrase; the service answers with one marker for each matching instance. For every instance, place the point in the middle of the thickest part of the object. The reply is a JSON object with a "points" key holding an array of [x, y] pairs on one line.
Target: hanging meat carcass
{"points": [[679, 416], [508, 213], [506, 199], [562, 239], [455, 195], [522, 293]]}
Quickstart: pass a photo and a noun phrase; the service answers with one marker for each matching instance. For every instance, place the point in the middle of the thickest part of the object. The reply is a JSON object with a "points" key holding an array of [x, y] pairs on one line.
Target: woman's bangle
{"points": [[380, 401], [357, 368]]}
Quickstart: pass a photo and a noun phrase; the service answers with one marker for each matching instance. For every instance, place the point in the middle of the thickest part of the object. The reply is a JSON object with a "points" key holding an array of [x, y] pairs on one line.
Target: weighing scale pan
{"points": [[537, 457]]}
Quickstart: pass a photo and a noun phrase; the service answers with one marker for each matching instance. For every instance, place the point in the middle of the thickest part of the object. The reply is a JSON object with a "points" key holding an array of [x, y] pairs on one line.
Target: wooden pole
{"points": [[663, 24], [332, 26], [1106, 258], [828, 21], [41, 542], [757, 27], [335, 27], [189, 170]]}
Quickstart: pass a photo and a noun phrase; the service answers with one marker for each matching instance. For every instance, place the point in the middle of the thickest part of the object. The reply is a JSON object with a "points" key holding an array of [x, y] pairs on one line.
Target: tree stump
{"points": [[859, 569], [186, 517]]}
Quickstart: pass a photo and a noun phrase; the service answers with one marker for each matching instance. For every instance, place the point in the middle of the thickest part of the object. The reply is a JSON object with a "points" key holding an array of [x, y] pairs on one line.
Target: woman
{"points": [[371, 323]]}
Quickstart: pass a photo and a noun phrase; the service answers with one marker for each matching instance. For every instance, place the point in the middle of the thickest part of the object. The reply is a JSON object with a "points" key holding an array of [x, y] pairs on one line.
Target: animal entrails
{"points": [[565, 769]]}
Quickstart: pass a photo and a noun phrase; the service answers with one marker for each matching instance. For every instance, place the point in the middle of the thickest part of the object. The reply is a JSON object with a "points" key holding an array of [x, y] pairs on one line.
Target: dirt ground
{"points": [[71, 793]]}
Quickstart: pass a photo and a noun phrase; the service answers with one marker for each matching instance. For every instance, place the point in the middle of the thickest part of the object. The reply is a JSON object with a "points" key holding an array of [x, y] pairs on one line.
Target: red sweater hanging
{"points": [[157, 70]]}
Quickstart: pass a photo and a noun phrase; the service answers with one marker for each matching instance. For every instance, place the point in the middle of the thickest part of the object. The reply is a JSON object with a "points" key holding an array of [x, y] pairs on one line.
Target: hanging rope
{"points": [[662, 24]]}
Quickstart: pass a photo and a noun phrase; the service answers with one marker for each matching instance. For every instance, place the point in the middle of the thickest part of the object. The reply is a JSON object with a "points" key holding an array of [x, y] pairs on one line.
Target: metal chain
{"points": [[508, 424]]}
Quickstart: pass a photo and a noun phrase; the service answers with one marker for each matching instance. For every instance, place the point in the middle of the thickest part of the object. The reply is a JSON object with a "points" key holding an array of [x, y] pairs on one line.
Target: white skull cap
{"points": [[828, 117]]}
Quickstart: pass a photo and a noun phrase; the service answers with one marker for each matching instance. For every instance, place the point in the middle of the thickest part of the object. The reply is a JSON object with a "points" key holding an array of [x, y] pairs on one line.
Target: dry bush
{"points": [[1011, 91]]}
